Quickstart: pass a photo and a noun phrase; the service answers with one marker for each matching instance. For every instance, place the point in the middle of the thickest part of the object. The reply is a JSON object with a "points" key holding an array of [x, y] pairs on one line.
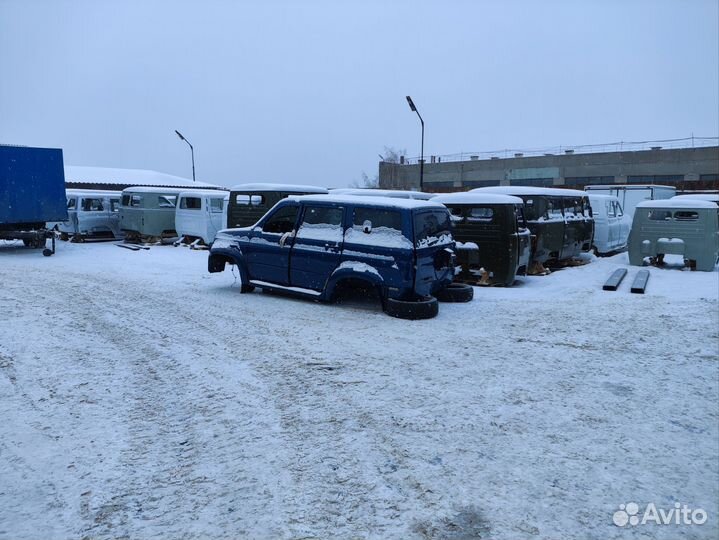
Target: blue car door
{"points": [[317, 246], [268, 251]]}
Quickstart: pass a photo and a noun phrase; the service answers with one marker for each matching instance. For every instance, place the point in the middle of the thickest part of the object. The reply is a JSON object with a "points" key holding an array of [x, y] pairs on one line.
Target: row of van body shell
{"points": [[558, 236], [687, 227], [611, 225], [630, 195], [201, 221], [83, 222], [249, 202], [143, 217], [503, 242]]}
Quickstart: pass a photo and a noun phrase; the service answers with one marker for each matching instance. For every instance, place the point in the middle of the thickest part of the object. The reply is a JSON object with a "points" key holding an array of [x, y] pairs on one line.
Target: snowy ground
{"points": [[142, 397]]}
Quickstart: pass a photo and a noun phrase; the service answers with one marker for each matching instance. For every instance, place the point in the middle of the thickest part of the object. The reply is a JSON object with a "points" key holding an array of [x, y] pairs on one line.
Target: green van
{"points": [[249, 202], [148, 213]]}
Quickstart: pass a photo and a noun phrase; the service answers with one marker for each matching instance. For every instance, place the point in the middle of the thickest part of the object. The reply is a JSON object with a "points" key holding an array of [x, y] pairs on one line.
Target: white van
{"points": [[630, 195], [200, 214], [91, 214], [611, 227]]}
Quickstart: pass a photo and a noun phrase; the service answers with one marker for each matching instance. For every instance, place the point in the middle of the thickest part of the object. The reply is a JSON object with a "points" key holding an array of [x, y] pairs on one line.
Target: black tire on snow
{"points": [[47, 252], [422, 308], [246, 288], [456, 292]]}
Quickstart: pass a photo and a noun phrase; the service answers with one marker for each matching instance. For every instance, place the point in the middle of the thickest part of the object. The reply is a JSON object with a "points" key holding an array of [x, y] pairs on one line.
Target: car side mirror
{"points": [[367, 226]]}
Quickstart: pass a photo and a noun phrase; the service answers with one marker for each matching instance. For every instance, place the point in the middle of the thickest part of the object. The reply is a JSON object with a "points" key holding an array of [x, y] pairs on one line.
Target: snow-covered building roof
{"points": [[119, 179], [476, 198]]}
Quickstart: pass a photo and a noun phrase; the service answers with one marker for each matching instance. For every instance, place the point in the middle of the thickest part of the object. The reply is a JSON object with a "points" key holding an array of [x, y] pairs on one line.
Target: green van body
{"points": [[686, 227], [491, 234], [249, 202], [148, 212], [560, 220]]}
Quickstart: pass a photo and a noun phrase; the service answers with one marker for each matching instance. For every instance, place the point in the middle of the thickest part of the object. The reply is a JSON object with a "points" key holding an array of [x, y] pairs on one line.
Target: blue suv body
{"points": [[311, 244]]}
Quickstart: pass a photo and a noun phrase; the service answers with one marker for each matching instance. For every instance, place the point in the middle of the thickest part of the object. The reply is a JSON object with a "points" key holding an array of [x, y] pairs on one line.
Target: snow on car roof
{"points": [[287, 188], [625, 186], [714, 197], [205, 192], [393, 202], [467, 197], [402, 194], [530, 190], [677, 203]]}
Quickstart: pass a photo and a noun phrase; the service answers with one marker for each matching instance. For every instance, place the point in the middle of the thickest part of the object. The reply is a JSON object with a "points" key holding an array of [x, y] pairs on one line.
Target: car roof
{"points": [[677, 203], [157, 190], [358, 200], [203, 192], [531, 190], [467, 197], [371, 192]]}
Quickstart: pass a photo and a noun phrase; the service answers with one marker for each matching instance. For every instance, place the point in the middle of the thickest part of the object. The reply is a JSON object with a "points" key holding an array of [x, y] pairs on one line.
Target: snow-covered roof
{"points": [[677, 203], [714, 197], [136, 177], [92, 192], [477, 198], [530, 190], [204, 192], [285, 188], [626, 186], [160, 190], [393, 202], [402, 194]]}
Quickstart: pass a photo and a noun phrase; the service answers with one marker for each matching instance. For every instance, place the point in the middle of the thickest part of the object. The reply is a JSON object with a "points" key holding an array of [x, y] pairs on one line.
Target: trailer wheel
{"points": [[422, 308], [47, 252], [456, 292]]}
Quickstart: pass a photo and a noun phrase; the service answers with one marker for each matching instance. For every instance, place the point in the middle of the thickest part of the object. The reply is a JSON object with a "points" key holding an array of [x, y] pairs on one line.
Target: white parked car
{"points": [[611, 226]]}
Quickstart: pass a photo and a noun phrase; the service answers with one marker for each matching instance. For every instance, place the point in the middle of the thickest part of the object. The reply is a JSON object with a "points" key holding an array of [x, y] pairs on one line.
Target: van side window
{"points": [[455, 214], [114, 205], [618, 209], [389, 220], [92, 205], [247, 200], [322, 223], [554, 208], [686, 215], [135, 200], [71, 203], [480, 214], [660, 215], [190, 203], [519, 212], [216, 206], [282, 221], [166, 201]]}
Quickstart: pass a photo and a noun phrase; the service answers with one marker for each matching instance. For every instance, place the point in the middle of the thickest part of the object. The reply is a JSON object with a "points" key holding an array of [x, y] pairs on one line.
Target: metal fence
{"points": [[621, 146]]}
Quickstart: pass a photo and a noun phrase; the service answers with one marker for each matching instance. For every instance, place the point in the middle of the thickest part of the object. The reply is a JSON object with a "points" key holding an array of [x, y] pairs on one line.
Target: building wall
{"points": [[685, 168]]}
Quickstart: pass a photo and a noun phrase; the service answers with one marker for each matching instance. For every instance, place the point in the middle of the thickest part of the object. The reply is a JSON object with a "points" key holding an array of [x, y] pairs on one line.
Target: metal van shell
{"points": [[405, 260], [687, 227], [611, 225], [560, 220], [199, 214], [148, 212], [249, 202], [630, 195], [92, 214], [491, 234]]}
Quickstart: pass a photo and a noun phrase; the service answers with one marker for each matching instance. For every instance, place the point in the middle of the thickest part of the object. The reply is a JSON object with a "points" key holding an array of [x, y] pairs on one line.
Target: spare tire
{"points": [[456, 292], [421, 308]]}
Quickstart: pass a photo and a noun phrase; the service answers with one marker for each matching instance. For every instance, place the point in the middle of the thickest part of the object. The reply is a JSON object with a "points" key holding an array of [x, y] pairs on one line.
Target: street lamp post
{"points": [[192, 151], [421, 155]]}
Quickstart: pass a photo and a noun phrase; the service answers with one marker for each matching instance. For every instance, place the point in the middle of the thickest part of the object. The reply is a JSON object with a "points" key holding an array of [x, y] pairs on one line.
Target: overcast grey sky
{"points": [[312, 91]]}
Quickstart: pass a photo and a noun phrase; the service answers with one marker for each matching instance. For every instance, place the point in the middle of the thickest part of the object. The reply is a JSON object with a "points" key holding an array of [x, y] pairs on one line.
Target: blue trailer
{"points": [[32, 193]]}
